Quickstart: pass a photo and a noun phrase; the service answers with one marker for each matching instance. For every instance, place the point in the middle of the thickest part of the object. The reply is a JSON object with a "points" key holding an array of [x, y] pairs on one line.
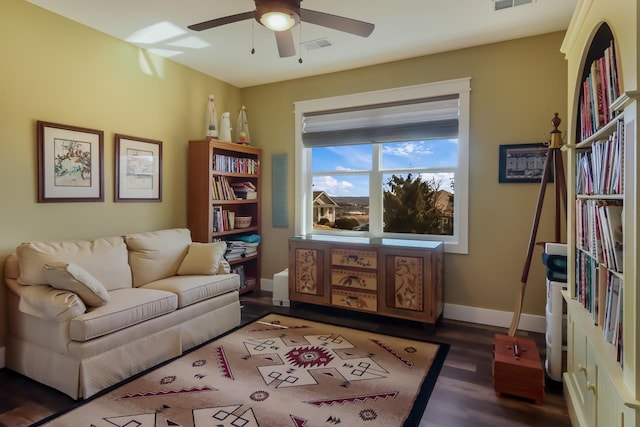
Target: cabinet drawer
{"points": [[354, 279], [352, 299], [354, 258]]}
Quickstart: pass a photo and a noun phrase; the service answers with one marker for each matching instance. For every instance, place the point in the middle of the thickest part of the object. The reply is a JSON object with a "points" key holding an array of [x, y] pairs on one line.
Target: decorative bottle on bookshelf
{"points": [[223, 203], [602, 383]]}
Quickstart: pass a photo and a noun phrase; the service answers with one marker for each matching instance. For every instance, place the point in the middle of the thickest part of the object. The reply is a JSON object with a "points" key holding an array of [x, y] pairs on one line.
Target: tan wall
{"points": [[58, 71], [516, 88]]}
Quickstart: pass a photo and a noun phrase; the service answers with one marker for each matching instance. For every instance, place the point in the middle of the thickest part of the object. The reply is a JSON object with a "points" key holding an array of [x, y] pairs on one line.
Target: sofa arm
{"points": [[47, 303]]}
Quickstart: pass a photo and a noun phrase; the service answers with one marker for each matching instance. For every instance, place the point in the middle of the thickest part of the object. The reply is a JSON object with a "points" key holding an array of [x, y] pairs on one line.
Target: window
{"points": [[391, 163]]}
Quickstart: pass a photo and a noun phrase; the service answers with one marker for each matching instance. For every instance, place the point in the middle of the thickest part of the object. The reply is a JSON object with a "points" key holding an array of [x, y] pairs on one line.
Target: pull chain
{"points": [[300, 44], [253, 30]]}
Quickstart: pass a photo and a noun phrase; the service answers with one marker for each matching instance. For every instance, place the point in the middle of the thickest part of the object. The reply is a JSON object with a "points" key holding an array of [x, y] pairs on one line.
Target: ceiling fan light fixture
{"points": [[278, 15], [279, 20]]}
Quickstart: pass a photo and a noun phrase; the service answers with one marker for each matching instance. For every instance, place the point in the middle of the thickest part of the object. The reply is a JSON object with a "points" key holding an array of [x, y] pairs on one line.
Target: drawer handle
{"points": [[591, 386], [582, 368]]}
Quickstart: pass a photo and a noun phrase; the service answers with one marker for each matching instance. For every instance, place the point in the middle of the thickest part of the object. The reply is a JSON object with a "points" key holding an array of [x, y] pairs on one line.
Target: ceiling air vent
{"points": [[506, 4], [317, 44]]}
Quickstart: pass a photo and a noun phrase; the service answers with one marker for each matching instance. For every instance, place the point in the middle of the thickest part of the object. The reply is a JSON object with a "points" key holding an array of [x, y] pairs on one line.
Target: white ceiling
{"points": [[404, 29]]}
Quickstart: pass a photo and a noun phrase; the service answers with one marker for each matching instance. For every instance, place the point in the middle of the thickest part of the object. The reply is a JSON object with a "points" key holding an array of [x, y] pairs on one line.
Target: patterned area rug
{"points": [[277, 371]]}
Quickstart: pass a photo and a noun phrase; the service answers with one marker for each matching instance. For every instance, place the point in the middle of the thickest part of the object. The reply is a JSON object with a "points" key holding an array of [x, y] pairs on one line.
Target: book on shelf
{"points": [[599, 169], [239, 270], [600, 88], [222, 189], [614, 217], [610, 229], [602, 286], [618, 333], [244, 190], [234, 164], [223, 219], [612, 308]]}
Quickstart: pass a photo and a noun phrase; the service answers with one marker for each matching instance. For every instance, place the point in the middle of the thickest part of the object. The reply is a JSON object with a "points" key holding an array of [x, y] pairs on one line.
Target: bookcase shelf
{"points": [[216, 171], [235, 231], [602, 380]]}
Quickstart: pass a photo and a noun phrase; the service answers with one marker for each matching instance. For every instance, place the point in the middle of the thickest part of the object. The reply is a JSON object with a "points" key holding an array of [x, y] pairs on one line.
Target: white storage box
{"points": [[281, 288], [556, 320]]}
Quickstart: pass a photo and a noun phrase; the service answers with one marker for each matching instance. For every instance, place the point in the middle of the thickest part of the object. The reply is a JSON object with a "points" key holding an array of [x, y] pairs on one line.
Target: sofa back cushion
{"points": [[157, 254], [105, 258]]}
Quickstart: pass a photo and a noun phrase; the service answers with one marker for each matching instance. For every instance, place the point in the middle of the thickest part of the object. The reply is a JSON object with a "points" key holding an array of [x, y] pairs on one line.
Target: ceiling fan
{"points": [[282, 15]]}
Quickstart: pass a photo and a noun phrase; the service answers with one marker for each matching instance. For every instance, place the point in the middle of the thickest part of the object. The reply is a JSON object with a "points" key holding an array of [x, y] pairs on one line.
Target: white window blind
{"points": [[409, 120]]}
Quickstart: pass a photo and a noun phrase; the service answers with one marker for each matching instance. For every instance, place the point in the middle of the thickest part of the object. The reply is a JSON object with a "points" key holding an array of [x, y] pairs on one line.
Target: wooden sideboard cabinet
{"points": [[389, 277]]}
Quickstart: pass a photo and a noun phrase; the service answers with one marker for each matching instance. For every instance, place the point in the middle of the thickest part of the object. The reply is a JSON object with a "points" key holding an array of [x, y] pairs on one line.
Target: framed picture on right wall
{"points": [[522, 162]]}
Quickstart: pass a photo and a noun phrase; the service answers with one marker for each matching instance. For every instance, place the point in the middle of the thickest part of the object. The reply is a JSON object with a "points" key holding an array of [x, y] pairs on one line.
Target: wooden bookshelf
{"points": [[215, 168], [602, 382]]}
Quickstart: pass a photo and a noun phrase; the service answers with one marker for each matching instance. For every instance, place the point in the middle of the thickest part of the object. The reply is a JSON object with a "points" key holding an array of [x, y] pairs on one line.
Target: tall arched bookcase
{"points": [[602, 380]]}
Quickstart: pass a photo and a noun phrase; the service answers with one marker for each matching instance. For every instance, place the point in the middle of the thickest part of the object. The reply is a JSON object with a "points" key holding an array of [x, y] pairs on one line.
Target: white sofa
{"points": [[124, 305]]}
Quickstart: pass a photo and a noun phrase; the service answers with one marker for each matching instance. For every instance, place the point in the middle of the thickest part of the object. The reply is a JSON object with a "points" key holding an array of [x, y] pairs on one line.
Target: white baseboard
{"points": [[1, 357], [463, 313]]}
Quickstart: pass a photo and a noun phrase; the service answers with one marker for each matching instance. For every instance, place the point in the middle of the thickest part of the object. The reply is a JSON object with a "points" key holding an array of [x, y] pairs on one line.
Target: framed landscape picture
{"points": [[138, 169], [70, 163], [522, 162]]}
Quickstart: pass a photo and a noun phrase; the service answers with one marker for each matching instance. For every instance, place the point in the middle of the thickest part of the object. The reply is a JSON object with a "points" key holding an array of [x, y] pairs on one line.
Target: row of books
{"points": [[222, 163], [221, 189], [223, 219], [245, 281], [600, 88], [599, 231], [239, 270], [586, 284], [600, 169]]}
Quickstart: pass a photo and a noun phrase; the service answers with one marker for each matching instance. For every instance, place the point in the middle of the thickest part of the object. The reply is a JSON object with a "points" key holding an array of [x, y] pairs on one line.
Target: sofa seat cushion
{"points": [[126, 307], [156, 254], [105, 258], [192, 289]]}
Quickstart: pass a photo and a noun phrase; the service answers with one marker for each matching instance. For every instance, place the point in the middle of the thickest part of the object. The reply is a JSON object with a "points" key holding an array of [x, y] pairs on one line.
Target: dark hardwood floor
{"points": [[463, 395]]}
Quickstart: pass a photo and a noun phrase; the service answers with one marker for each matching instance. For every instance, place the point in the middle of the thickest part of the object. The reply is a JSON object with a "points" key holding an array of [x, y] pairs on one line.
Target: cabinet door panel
{"points": [[308, 276], [405, 282]]}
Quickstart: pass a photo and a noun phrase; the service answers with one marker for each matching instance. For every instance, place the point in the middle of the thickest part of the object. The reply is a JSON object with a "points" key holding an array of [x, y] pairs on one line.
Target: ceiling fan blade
{"points": [[221, 21], [284, 39], [340, 23]]}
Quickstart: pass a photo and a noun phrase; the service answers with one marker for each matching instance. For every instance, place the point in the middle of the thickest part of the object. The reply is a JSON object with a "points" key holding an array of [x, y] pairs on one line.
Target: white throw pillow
{"points": [[203, 259], [71, 277], [224, 267], [45, 302]]}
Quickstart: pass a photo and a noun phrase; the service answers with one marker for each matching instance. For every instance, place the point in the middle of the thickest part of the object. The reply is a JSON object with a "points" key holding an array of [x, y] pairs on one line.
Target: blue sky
{"points": [[352, 158]]}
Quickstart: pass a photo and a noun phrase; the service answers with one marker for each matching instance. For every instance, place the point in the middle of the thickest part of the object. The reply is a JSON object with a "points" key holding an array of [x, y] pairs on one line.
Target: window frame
{"points": [[458, 243]]}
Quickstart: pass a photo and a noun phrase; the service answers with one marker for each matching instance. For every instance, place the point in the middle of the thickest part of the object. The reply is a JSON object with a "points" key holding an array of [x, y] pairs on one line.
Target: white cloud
{"points": [[331, 185], [407, 149]]}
